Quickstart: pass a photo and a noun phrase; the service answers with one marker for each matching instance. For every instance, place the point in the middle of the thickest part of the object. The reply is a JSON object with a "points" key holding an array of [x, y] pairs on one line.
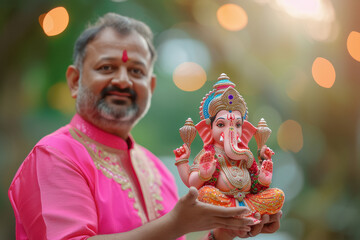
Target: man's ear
{"points": [[73, 78], [153, 83]]}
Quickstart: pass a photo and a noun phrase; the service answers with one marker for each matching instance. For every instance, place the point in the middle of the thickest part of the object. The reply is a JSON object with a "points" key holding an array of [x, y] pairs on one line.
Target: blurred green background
{"points": [[271, 59]]}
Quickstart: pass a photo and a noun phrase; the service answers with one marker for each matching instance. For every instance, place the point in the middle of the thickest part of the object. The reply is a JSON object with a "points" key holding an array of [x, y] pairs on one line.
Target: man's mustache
{"points": [[129, 91]]}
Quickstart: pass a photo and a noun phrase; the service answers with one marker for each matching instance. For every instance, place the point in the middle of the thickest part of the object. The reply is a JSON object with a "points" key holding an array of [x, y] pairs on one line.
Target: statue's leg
{"points": [[212, 195], [269, 201]]}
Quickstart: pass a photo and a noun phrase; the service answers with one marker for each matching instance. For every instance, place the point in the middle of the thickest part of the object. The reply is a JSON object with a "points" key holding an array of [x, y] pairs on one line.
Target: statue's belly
{"points": [[240, 181]]}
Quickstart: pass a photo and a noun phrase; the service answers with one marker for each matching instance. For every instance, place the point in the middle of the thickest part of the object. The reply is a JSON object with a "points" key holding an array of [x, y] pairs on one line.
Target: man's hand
{"points": [[191, 215], [273, 223], [268, 224]]}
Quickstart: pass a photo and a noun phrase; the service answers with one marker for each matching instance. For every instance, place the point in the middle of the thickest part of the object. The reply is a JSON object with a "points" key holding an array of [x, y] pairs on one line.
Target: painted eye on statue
{"points": [[238, 124], [220, 125]]}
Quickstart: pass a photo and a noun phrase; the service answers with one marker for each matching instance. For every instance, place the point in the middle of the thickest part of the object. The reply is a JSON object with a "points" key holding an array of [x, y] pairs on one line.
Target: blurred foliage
{"points": [[270, 61]]}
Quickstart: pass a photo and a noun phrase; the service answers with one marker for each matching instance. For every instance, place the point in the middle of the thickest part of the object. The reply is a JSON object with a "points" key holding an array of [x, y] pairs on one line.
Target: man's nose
{"points": [[121, 79]]}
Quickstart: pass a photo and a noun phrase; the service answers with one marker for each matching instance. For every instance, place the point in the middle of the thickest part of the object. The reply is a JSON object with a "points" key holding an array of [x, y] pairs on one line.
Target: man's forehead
{"points": [[110, 40]]}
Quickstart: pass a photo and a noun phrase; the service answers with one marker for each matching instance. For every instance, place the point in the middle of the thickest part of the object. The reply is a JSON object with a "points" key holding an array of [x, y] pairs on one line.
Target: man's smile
{"points": [[124, 96], [121, 94]]}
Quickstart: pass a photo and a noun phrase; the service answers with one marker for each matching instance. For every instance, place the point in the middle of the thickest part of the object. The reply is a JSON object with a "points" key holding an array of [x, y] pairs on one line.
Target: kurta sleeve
{"points": [[51, 198]]}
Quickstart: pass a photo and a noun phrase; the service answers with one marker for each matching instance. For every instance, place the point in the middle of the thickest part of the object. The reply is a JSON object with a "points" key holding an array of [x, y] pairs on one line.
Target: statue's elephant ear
{"points": [[204, 131], [248, 130]]}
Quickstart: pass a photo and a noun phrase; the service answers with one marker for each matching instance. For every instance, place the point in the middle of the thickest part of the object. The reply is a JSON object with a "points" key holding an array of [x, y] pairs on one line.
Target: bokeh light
{"points": [[41, 19], [289, 176], [353, 45], [318, 15], [55, 21], [176, 47], [323, 72], [302, 8], [189, 76], [208, 17], [290, 137], [232, 17], [271, 116], [59, 98], [296, 87], [322, 30]]}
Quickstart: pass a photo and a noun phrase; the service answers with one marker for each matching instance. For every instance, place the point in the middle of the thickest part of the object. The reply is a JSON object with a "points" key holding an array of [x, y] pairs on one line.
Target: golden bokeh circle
{"points": [[232, 17], [189, 76], [290, 137], [353, 45], [323, 72], [55, 21]]}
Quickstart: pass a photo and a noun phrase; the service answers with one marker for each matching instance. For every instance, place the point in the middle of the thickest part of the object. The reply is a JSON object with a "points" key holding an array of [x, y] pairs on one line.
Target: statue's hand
{"points": [[182, 152], [266, 171], [266, 153], [207, 166], [267, 166]]}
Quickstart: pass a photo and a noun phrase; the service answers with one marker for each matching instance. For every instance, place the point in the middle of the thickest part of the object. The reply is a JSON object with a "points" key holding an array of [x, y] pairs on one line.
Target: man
{"points": [[89, 179]]}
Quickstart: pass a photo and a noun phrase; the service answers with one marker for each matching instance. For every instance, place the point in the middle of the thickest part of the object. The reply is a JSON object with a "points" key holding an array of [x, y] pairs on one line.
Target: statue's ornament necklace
{"points": [[239, 177]]}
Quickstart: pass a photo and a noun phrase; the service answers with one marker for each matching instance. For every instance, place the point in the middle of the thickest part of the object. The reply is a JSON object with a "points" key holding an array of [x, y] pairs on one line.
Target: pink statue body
{"points": [[225, 171]]}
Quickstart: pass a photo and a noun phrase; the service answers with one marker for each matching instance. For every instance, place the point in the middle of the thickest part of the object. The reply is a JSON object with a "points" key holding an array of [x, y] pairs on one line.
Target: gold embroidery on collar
{"points": [[108, 161], [150, 181]]}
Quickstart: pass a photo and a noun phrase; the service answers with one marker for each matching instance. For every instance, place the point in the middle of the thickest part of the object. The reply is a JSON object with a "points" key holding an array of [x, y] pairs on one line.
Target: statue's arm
{"points": [[195, 180], [266, 170], [182, 155], [255, 175]]}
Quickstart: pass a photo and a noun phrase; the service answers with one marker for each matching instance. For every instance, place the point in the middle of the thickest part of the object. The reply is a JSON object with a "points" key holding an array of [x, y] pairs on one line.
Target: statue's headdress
{"points": [[223, 97]]}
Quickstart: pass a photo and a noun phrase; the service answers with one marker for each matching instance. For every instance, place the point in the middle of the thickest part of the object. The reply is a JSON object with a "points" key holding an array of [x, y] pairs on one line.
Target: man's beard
{"points": [[98, 108]]}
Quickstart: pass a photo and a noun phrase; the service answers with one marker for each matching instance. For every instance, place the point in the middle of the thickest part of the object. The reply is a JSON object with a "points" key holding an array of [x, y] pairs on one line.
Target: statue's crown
{"points": [[223, 97]]}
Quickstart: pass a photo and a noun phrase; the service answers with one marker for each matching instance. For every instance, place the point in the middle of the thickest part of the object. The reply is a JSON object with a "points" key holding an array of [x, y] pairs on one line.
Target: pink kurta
{"points": [[74, 184]]}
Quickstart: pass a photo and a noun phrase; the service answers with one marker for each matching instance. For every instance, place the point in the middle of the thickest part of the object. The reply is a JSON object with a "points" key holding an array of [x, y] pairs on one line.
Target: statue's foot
{"points": [[269, 201], [212, 195]]}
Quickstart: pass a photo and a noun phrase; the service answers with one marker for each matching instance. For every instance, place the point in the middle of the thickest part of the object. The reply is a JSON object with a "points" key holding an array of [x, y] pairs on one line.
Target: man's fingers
{"points": [[229, 227], [236, 222], [258, 228], [273, 224], [255, 230], [192, 195], [257, 215], [275, 217], [227, 211], [265, 218]]}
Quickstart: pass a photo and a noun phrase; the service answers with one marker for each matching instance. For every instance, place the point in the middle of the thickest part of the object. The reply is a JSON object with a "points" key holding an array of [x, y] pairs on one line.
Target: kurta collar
{"points": [[100, 135]]}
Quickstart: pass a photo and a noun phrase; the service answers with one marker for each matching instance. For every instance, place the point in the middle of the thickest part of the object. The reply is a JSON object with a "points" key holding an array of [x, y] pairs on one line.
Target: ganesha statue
{"points": [[225, 171]]}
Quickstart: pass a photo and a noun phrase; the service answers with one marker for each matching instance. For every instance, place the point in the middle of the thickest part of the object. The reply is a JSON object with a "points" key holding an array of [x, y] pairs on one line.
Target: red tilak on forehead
{"points": [[125, 56], [230, 116]]}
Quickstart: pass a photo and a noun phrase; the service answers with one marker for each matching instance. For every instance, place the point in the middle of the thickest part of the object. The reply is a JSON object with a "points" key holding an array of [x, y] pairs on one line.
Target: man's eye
{"points": [[106, 68], [137, 72]]}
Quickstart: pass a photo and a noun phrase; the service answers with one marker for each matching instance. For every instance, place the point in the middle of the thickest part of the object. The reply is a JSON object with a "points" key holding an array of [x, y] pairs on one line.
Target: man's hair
{"points": [[121, 24]]}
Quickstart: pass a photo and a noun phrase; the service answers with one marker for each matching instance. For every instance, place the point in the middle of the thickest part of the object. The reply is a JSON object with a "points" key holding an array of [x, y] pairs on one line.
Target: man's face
{"points": [[115, 87]]}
